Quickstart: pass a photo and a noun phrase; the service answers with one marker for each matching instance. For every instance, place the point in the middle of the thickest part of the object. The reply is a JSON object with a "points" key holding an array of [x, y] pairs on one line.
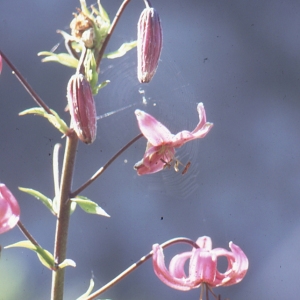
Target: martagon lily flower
{"points": [[161, 144], [9, 209], [202, 266]]}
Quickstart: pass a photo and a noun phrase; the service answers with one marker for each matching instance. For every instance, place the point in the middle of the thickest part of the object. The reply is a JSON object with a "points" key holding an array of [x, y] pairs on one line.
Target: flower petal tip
{"points": [[9, 209]]}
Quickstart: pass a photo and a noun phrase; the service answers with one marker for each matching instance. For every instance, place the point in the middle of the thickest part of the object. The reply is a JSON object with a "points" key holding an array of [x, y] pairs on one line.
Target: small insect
{"points": [[186, 168]]}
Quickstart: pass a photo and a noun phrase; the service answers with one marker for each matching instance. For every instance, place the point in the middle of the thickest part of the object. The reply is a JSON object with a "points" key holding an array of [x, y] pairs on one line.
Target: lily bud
{"points": [[9, 209], [82, 108], [149, 44]]}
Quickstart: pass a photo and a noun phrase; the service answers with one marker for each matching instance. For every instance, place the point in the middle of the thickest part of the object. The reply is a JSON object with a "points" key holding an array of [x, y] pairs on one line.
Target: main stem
{"points": [[62, 224]]}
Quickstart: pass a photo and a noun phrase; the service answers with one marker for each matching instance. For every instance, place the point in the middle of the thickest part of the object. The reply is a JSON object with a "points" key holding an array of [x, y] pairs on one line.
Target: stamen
{"points": [[167, 164]]}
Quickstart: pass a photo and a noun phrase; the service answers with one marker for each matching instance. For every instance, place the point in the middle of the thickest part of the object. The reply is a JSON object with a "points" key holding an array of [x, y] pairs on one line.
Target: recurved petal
{"points": [[237, 265], [200, 131], [240, 265], [9, 209], [162, 273], [177, 263], [202, 117], [204, 242], [155, 132]]}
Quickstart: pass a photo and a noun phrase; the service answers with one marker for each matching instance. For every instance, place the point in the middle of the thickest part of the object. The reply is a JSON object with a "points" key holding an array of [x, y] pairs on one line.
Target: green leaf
{"points": [[67, 263], [45, 257], [89, 206], [101, 25], [45, 200], [89, 290], [62, 58], [73, 207], [55, 205], [90, 66], [53, 118], [121, 51], [103, 14], [100, 86], [84, 8]]}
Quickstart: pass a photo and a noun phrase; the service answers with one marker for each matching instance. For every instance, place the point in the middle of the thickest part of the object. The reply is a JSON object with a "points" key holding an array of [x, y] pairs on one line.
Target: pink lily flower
{"points": [[202, 266], [161, 144], [9, 209]]}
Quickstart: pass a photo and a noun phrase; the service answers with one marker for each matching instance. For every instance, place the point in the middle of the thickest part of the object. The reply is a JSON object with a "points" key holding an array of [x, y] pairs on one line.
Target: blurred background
{"points": [[241, 59]]}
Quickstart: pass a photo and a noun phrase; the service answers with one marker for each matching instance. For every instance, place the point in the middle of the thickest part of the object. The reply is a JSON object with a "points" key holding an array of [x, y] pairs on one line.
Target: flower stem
{"points": [[137, 264], [56, 169], [27, 234], [102, 169], [26, 85], [62, 224], [147, 3], [111, 29]]}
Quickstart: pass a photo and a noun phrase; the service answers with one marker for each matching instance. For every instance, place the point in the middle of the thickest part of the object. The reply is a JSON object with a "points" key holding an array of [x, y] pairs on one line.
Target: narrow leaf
{"points": [[73, 207], [100, 86], [53, 118], [89, 206], [62, 58], [89, 290], [45, 257], [67, 263], [45, 200], [121, 51]]}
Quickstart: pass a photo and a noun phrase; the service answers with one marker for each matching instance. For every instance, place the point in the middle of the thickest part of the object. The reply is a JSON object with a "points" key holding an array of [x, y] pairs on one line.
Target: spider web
{"points": [[168, 97]]}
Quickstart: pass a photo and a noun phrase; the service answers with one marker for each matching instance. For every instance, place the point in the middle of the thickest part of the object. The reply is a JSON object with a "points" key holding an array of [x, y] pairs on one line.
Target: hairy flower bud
{"points": [[149, 44], [82, 108], [9, 209]]}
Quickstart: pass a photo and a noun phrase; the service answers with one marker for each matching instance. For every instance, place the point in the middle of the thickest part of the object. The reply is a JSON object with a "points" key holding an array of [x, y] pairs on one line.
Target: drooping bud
{"points": [[82, 108], [149, 43], [9, 209]]}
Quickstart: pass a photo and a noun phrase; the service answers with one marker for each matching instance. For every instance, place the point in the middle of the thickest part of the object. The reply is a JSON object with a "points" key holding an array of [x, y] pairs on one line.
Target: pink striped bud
{"points": [[149, 43], [9, 209], [82, 108]]}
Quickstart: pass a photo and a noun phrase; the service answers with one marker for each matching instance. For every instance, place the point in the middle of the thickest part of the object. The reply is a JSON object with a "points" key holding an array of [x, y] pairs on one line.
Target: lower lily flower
{"points": [[202, 266], [9, 209], [161, 144]]}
